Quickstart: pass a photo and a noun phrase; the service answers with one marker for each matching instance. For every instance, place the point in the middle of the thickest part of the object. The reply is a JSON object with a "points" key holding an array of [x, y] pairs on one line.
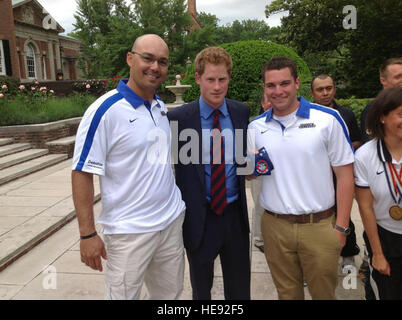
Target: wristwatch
{"points": [[345, 231]]}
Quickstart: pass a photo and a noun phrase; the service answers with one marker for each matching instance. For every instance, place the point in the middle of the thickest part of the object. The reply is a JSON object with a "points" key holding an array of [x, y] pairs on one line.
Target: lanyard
{"points": [[396, 178]]}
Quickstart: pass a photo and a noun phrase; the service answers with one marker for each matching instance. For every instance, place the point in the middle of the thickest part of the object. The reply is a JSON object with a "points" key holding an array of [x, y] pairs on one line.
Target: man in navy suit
{"points": [[209, 177]]}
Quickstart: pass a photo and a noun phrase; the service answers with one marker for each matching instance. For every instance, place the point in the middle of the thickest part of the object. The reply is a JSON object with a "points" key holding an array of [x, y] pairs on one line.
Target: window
{"points": [[31, 62], [2, 60]]}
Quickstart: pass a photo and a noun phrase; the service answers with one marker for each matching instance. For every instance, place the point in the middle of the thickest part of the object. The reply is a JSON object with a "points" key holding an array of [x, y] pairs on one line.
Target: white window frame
{"points": [[44, 68], [3, 70], [30, 46]]}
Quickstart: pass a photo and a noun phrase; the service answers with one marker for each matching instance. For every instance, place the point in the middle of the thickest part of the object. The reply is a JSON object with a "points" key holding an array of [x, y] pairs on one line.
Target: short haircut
{"points": [[278, 63], [386, 101], [386, 63], [322, 76], [213, 55]]}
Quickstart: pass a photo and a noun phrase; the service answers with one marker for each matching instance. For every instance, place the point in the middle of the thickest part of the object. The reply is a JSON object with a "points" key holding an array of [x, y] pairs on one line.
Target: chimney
{"points": [[7, 35], [191, 7]]}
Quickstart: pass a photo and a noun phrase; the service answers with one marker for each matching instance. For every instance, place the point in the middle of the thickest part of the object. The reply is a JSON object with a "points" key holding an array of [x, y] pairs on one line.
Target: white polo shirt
{"points": [[302, 151], [128, 146], [370, 173]]}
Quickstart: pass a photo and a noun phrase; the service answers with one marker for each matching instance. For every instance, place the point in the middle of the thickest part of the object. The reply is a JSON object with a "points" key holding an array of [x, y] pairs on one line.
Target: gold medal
{"points": [[395, 212]]}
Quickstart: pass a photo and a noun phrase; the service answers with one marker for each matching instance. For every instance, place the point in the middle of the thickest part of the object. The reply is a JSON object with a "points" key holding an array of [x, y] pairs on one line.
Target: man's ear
{"points": [[297, 83], [129, 59], [383, 81], [197, 78]]}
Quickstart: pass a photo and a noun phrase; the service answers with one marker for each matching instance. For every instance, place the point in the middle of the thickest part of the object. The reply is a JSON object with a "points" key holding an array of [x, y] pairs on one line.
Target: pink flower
{"points": [[1, 95], [88, 86], [4, 86], [36, 82], [42, 89], [33, 88], [51, 91], [21, 87]]}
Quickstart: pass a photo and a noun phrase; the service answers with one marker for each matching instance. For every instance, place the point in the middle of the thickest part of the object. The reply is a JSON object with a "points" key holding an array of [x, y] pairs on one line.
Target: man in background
{"points": [[323, 91]]}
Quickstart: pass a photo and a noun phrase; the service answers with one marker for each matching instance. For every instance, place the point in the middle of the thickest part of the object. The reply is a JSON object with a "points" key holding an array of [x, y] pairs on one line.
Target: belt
{"points": [[304, 218]]}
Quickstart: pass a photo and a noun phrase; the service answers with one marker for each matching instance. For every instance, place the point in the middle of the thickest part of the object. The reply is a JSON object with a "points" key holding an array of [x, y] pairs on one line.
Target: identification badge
{"points": [[263, 164]]}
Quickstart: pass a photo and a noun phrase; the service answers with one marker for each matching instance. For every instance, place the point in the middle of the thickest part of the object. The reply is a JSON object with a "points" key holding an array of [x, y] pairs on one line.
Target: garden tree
{"points": [[93, 20], [167, 18], [107, 29], [315, 27]]}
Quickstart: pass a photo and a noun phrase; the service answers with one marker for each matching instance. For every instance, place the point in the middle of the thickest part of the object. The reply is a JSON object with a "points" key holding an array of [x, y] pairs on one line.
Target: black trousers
{"points": [[389, 287], [224, 235]]}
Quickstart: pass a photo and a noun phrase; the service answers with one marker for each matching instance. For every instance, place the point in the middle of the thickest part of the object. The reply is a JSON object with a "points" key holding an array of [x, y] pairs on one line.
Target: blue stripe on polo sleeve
{"points": [[94, 125], [337, 117]]}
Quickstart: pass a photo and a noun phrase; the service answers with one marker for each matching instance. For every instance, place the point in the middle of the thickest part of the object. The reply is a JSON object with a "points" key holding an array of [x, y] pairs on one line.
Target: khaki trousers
{"points": [[296, 251], [156, 259]]}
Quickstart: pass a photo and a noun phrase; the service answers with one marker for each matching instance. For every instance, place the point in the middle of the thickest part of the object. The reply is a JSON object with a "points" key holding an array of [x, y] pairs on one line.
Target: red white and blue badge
{"points": [[263, 164], [261, 167]]}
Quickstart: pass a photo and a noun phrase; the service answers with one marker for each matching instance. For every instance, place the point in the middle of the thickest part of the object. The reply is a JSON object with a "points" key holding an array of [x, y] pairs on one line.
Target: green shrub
{"points": [[248, 58], [18, 111], [357, 105]]}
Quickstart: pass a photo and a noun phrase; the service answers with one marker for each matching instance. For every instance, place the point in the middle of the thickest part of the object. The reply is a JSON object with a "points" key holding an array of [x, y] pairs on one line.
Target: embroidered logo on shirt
{"points": [[131, 121], [262, 132], [380, 172], [307, 125]]}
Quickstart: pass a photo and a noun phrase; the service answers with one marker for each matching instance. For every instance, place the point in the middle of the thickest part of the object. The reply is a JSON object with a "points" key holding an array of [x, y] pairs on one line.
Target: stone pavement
{"points": [[52, 270]]}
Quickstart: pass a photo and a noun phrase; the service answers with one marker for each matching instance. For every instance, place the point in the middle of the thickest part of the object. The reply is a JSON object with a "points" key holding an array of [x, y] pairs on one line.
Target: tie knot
{"points": [[217, 112]]}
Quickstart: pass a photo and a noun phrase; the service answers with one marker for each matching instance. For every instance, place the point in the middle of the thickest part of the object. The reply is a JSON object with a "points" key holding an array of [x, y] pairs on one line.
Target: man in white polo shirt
{"points": [[124, 137], [305, 142]]}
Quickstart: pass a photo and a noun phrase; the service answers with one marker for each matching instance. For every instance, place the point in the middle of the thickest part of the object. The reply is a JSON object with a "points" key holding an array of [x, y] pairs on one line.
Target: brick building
{"points": [[31, 47]]}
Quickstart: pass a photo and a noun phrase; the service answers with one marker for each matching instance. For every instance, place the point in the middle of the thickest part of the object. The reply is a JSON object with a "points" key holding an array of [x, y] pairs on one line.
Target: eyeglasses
{"points": [[150, 59]]}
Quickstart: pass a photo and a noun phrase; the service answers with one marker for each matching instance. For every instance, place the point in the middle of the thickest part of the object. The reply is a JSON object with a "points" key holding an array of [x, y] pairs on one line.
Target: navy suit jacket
{"points": [[190, 178]]}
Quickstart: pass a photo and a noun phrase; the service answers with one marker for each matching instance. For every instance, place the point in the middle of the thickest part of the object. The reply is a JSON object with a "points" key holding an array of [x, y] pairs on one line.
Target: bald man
{"points": [[124, 138]]}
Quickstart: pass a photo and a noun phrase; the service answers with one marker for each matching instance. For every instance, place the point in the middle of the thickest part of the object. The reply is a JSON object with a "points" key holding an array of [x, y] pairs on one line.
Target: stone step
{"points": [[26, 236], [26, 168], [19, 157], [5, 141], [62, 145], [13, 148]]}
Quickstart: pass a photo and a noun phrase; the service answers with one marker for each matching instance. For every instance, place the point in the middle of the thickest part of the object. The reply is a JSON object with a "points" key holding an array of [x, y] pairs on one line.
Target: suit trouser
{"points": [[296, 251], [224, 235], [156, 258]]}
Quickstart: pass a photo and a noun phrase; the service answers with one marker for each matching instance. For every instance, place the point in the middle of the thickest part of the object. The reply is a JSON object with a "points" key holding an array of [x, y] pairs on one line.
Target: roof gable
{"points": [[35, 14]]}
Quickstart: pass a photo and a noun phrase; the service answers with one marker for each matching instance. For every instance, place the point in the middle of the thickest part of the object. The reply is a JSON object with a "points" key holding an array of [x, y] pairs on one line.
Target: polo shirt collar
{"points": [[206, 110], [134, 99], [303, 110]]}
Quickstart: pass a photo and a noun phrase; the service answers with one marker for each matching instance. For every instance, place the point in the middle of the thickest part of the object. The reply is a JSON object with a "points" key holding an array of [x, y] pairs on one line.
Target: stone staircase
{"points": [[35, 194], [20, 159]]}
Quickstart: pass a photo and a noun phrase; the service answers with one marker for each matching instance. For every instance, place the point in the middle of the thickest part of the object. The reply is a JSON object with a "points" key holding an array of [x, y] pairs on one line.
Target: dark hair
{"points": [[386, 101], [322, 76], [386, 63], [278, 63]]}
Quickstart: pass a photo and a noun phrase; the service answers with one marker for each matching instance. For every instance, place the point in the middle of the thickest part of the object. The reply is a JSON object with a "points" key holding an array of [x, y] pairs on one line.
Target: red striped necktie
{"points": [[218, 175]]}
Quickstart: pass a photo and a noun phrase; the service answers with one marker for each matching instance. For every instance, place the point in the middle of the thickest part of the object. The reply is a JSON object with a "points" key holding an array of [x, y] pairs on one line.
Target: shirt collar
{"points": [[303, 110], [134, 99], [206, 110]]}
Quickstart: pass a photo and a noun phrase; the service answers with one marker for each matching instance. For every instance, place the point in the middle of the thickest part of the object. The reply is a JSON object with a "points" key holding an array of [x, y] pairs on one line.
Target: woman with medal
{"points": [[378, 178]]}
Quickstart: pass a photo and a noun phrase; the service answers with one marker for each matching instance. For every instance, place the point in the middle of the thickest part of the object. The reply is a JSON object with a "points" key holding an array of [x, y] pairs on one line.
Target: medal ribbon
{"points": [[395, 180]]}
